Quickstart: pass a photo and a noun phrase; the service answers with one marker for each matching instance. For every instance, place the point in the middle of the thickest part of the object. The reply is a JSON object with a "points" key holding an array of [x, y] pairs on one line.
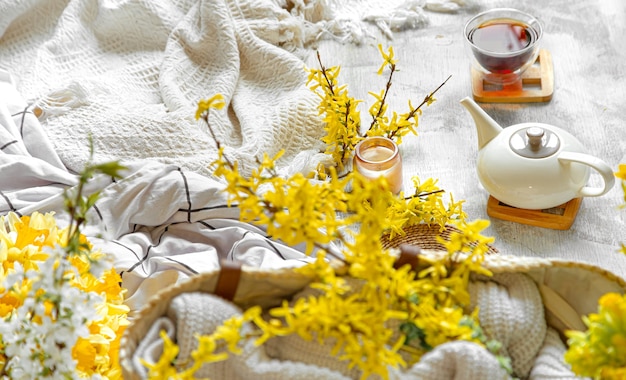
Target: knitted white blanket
{"points": [[510, 309], [130, 73]]}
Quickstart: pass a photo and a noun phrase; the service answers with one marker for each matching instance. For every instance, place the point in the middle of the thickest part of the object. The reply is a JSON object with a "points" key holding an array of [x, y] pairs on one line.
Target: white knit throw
{"points": [[130, 73], [510, 310]]}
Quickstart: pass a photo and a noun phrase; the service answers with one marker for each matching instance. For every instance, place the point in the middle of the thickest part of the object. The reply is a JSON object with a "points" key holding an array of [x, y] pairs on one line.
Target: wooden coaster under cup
{"points": [[557, 218], [535, 85]]}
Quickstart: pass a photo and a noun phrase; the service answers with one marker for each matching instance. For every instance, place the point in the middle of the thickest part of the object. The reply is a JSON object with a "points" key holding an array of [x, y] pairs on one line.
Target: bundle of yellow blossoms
{"points": [[600, 352], [61, 302], [341, 117], [60, 318], [379, 314]]}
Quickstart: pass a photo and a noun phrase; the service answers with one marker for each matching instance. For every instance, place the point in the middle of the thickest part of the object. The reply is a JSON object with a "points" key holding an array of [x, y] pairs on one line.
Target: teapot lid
{"points": [[534, 142]]}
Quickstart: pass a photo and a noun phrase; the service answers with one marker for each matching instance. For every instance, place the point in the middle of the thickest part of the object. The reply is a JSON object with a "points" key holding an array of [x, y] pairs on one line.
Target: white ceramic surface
{"points": [[534, 183]]}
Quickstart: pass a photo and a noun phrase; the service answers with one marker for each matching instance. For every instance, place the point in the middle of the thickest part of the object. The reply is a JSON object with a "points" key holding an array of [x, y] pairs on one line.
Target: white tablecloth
{"points": [[162, 62]]}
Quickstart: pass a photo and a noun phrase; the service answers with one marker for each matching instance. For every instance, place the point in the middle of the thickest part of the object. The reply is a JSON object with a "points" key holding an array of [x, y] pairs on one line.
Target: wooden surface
{"points": [[585, 39], [557, 218], [535, 85]]}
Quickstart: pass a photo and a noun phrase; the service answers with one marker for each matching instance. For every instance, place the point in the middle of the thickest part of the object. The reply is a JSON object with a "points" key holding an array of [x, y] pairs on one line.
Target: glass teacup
{"points": [[503, 43]]}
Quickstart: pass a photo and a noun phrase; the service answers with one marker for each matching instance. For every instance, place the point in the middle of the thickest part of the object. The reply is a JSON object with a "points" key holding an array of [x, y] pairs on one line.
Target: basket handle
{"points": [[228, 279], [409, 254], [230, 271]]}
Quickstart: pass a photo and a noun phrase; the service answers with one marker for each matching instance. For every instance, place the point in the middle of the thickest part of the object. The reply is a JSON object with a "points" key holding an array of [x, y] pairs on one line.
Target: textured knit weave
{"points": [[510, 307], [129, 73], [201, 313], [549, 363], [511, 311], [455, 361]]}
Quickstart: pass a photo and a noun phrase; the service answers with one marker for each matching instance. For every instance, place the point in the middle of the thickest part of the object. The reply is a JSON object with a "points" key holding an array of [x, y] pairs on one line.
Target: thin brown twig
{"points": [[427, 99], [323, 69], [346, 121], [205, 117], [424, 194], [382, 102]]}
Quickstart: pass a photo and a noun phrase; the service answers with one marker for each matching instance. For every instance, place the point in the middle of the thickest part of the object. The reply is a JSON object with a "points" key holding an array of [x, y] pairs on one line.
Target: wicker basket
{"points": [[569, 289], [424, 236]]}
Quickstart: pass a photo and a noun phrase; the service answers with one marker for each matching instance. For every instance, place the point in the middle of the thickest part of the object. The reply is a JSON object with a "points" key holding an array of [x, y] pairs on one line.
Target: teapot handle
{"points": [[596, 163]]}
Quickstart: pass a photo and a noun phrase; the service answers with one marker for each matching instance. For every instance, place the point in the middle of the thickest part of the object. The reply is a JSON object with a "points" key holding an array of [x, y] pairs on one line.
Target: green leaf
{"points": [[414, 298], [412, 332], [112, 168], [494, 346], [91, 200], [505, 362]]}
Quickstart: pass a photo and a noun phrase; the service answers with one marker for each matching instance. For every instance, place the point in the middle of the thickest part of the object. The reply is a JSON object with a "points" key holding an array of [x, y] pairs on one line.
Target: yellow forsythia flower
{"points": [[22, 240], [216, 101], [600, 352]]}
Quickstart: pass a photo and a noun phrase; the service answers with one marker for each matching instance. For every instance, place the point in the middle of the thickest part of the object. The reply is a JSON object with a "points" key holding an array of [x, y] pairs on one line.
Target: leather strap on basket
{"points": [[228, 279], [409, 254]]}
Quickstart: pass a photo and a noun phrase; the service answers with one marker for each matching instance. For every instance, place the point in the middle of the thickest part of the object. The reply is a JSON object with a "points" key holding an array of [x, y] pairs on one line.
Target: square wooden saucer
{"points": [[557, 218], [535, 85]]}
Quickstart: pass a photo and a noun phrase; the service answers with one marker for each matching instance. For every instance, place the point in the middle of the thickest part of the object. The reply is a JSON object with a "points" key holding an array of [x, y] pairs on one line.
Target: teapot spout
{"points": [[486, 127]]}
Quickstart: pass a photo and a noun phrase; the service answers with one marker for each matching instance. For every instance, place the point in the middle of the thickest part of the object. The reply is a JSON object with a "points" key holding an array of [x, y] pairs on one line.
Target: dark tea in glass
{"points": [[503, 36], [503, 43]]}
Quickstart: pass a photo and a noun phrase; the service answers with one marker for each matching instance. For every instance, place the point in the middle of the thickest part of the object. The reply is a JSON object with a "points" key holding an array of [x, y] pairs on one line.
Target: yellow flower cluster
{"points": [[424, 206], [398, 125], [204, 105], [378, 314], [23, 241], [342, 120], [600, 351], [295, 210]]}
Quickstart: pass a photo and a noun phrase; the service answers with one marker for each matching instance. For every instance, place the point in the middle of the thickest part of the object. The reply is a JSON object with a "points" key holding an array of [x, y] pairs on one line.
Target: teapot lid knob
{"points": [[534, 142]]}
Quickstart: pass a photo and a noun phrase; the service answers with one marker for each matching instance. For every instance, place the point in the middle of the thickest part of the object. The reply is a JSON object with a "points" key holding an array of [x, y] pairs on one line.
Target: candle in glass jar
{"points": [[379, 156]]}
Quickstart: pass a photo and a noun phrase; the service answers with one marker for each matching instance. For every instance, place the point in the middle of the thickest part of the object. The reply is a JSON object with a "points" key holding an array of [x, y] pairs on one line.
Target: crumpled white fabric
{"points": [[130, 74], [510, 310], [201, 313], [349, 20], [159, 223]]}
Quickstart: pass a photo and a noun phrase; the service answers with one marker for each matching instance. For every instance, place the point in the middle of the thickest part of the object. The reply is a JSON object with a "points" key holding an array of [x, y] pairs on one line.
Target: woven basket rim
{"points": [[495, 263], [424, 236]]}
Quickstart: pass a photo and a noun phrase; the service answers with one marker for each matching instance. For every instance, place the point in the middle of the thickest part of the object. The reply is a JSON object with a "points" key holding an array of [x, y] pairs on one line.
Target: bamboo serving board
{"points": [[557, 218], [536, 84]]}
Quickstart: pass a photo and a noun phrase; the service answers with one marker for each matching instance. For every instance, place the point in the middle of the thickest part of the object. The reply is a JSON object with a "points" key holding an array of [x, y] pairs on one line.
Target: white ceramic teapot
{"points": [[533, 165]]}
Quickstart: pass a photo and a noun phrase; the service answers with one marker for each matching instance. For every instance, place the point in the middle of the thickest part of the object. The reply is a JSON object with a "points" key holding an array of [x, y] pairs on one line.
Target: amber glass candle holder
{"points": [[379, 156]]}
